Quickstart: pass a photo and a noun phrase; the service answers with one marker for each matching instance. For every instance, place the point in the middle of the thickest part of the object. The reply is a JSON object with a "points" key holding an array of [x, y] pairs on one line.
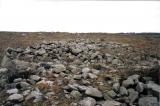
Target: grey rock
{"points": [[112, 94], [96, 72], [76, 94], [59, 68], [128, 82], [115, 62], [133, 95], [155, 88], [25, 85], [12, 91], [93, 92], [123, 91], [86, 70], [148, 101], [111, 103], [3, 70], [77, 77], [135, 78], [92, 76], [35, 77], [116, 87], [36, 95], [76, 50], [140, 87], [15, 97], [17, 80], [26, 92], [88, 101]]}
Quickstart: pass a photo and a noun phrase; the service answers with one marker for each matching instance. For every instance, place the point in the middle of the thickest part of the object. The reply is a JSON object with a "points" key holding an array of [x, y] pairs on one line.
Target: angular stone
{"points": [[116, 87], [140, 87], [88, 101], [111, 103], [76, 94], [133, 95], [93, 92], [123, 91], [35, 77], [12, 91], [148, 101], [59, 68], [15, 97], [154, 88], [112, 94], [128, 82]]}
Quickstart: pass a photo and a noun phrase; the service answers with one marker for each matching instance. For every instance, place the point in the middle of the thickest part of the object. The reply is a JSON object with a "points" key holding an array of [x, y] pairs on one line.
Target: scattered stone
{"points": [[15, 98], [76, 94], [123, 91], [92, 76], [88, 101], [133, 95], [112, 94], [111, 103], [12, 91], [128, 82], [59, 68], [93, 92], [140, 87], [148, 101], [35, 77], [116, 87]]}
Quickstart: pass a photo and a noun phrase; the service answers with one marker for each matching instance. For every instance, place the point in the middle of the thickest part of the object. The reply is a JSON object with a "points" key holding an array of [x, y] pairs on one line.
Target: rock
{"points": [[24, 85], [128, 82], [59, 68], [111, 103], [123, 91], [112, 94], [76, 50], [77, 77], [36, 96], [12, 91], [88, 101], [15, 98], [133, 95], [5, 61], [26, 92], [115, 62], [40, 52], [116, 87], [148, 101], [49, 94], [140, 87], [135, 78], [155, 89], [3, 70], [94, 71], [76, 94], [93, 92], [86, 70], [35, 77], [92, 76], [17, 80]]}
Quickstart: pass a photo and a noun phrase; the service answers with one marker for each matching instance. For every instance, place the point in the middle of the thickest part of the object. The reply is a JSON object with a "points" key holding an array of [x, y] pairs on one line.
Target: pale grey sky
{"points": [[80, 16]]}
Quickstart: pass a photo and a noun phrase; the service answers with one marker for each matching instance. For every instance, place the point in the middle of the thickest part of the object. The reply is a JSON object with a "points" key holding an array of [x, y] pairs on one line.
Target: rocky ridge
{"points": [[76, 72]]}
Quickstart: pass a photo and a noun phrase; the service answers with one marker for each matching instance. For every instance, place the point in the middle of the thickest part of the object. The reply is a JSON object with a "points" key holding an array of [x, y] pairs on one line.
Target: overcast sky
{"points": [[79, 16]]}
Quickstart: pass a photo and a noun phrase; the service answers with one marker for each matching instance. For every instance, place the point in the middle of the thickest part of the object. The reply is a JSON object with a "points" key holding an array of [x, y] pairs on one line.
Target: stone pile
{"points": [[76, 71]]}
